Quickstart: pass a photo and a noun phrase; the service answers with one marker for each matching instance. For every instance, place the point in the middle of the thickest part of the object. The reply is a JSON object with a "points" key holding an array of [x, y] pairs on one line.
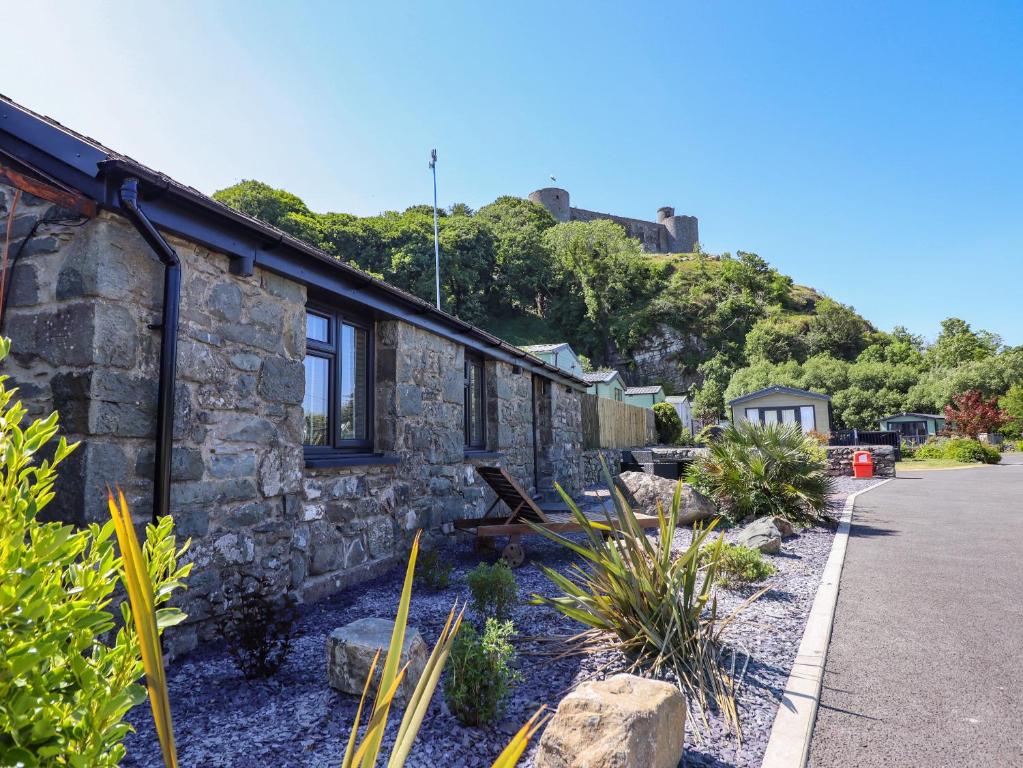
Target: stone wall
{"points": [[592, 472], [840, 459], [83, 296]]}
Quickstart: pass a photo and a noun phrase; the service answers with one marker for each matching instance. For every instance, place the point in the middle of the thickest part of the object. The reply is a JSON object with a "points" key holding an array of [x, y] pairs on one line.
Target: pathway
{"points": [[925, 666]]}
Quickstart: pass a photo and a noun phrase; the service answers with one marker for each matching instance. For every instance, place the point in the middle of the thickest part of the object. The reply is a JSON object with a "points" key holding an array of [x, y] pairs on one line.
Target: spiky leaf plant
{"points": [[754, 470], [656, 606]]}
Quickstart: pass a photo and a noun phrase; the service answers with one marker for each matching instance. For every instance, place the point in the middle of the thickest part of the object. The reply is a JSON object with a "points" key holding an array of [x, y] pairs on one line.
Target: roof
{"points": [[779, 391], [71, 160], [643, 390], [677, 398], [600, 377], [917, 415], [538, 348]]}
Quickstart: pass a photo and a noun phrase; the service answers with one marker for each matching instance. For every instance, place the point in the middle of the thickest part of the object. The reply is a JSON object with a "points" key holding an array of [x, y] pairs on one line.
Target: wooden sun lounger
{"points": [[523, 508]]}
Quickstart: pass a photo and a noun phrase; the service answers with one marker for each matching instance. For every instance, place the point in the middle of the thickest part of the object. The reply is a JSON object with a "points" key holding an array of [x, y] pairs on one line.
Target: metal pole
{"points": [[436, 241]]}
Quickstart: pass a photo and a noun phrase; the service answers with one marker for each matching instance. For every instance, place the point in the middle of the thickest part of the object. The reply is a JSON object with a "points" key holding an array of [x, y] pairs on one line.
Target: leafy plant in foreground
{"points": [[656, 606], [494, 591], [65, 683], [754, 470], [481, 672], [365, 752]]}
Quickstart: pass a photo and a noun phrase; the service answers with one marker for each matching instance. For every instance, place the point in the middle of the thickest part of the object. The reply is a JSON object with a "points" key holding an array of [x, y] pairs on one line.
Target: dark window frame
{"points": [[778, 410], [468, 443], [336, 317]]}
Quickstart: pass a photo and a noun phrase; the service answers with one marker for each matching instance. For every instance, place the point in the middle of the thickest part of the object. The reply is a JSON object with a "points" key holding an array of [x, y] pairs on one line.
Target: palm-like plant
{"points": [[655, 605], [766, 470]]}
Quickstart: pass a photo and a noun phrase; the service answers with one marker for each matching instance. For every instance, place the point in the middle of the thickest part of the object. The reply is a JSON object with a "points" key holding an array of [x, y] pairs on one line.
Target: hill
{"points": [[711, 325]]}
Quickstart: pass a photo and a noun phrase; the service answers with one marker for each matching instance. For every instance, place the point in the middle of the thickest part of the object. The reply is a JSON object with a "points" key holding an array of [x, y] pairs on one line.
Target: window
{"points": [[802, 415], [337, 409], [475, 405]]}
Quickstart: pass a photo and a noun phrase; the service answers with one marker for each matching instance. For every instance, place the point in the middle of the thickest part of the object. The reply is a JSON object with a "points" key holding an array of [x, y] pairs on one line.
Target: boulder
{"points": [[350, 652], [642, 491], [762, 534], [622, 722], [784, 526]]}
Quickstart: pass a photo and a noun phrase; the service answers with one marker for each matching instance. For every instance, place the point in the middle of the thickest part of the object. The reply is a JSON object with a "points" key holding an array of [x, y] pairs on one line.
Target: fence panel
{"points": [[609, 424]]}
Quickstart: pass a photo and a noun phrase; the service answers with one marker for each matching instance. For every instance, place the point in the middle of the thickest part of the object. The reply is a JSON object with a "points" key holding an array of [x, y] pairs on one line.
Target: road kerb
{"points": [[789, 743]]}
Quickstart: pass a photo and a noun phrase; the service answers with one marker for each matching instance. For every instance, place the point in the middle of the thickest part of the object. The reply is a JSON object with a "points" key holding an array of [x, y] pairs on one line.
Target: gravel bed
{"points": [[295, 719]]}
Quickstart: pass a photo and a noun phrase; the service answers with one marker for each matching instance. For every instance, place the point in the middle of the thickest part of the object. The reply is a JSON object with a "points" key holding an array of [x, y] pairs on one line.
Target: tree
{"points": [[970, 414], [958, 344], [524, 265], [274, 206], [776, 341], [1011, 404], [837, 330]]}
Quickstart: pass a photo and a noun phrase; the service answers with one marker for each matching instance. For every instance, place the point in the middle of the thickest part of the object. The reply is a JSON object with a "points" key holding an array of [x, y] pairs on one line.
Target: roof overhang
{"points": [[779, 391]]}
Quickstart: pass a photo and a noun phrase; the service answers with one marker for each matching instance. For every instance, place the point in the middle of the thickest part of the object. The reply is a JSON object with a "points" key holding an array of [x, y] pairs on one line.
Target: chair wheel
{"points": [[513, 554]]}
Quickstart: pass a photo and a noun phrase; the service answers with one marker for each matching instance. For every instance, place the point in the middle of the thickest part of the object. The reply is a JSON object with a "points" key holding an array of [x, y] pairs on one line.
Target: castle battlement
{"points": [[669, 234]]}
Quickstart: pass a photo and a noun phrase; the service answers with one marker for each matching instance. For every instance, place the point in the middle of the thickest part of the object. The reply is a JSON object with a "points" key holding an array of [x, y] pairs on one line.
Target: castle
{"points": [[669, 234]]}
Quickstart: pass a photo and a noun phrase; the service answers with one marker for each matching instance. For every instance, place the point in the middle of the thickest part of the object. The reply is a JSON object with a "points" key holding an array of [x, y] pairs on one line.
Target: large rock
{"points": [[762, 534], [643, 491], [622, 722], [350, 652]]}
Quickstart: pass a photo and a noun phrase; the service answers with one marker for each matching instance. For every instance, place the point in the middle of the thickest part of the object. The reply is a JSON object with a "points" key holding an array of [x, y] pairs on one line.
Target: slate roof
{"points": [[534, 348], [600, 377], [779, 390], [643, 390], [66, 158], [917, 415]]}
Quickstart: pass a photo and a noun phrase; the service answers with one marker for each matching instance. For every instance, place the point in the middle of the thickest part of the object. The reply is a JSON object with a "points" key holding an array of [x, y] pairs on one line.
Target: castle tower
{"points": [[683, 231], [554, 200]]}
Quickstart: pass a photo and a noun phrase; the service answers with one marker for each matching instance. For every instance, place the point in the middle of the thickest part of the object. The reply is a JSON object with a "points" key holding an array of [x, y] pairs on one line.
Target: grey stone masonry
{"points": [[840, 459], [84, 295]]}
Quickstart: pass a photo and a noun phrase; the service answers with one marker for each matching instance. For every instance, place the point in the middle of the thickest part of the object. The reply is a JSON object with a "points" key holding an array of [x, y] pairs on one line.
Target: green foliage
{"points": [[668, 422], [69, 672], [962, 449], [685, 437], [755, 470], [494, 591], [958, 344], [837, 330], [739, 565], [775, 340], [433, 570], [274, 206], [481, 672], [1011, 404], [658, 605], [908, 450]]}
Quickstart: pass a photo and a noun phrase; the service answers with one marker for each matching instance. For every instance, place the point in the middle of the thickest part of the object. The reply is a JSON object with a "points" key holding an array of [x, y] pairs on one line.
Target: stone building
{"points": [[669, 234], [299, 418]]}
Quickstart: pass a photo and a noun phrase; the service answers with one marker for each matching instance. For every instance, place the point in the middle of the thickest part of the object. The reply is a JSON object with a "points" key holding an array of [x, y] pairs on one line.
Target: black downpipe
{"points": [[168, 344]]}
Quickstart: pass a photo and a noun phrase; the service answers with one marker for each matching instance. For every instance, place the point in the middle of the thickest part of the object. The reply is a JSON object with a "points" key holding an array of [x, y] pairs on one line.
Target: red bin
{"points": [[863, 464]]}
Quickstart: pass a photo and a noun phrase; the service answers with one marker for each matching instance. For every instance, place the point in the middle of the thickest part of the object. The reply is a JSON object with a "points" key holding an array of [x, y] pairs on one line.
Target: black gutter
{"points": [[129, 195]]}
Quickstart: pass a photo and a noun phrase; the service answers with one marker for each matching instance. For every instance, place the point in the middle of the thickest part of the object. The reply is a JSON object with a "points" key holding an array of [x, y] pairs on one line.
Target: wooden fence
{"points": [[610, 424]]}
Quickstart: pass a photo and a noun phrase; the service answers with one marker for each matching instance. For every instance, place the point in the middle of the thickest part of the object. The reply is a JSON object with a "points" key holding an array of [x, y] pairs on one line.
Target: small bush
{"points": [[685, 437], [494, 591], [433, 570], [962, 449], [259, 631], [908, 450], [740, 565], [669, 425], [481, 672], [708, 434], [754, 470]]}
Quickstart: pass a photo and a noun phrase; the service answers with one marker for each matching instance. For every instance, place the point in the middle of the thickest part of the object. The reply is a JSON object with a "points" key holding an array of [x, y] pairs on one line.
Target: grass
{"points": [[910, 465]]}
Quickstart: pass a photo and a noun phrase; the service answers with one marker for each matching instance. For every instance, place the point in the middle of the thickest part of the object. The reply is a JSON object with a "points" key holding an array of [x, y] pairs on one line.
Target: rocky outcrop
{"points": [[622, 722], [643, 491], [350, 652]]}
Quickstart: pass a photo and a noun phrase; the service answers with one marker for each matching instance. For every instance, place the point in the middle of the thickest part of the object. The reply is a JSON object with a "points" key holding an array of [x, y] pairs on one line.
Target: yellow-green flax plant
{"points": [[656, 606]]}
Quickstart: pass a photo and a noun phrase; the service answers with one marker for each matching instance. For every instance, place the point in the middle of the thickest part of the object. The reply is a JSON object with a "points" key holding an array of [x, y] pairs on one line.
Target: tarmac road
{"points": [[925, 666]]}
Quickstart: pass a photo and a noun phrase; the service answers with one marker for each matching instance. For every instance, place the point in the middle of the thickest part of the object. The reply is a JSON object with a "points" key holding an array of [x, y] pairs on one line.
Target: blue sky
{"points": [[872, 150]]}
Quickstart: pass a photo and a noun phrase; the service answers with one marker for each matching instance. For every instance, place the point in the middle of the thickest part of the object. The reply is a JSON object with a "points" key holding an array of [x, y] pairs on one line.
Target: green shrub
{"points": [[481, 672], [708, 434], [259, 630], [433, 570], [908, 450], [67, 678], [494, 591], [685, 437], [658, 607], [962, 449], [740, 565], [755, 470], [669, 424]]}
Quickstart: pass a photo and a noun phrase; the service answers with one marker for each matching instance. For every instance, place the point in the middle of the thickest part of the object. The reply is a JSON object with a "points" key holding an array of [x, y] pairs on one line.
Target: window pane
{"points": [[770, 416], [752, 414], [317, 327], [474, 406], [352, 401], [788, 416], [806, 417], [314, 406]]}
